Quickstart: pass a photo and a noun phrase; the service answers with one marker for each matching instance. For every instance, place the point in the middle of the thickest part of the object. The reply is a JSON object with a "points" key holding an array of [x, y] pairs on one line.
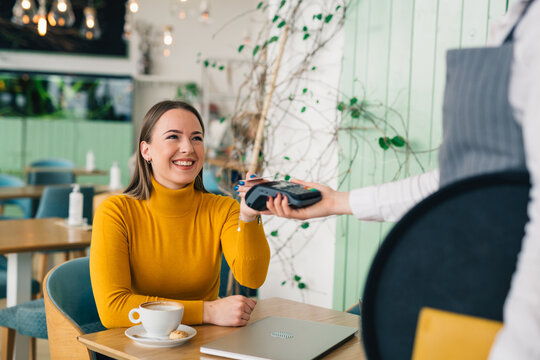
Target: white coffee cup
{"points": [[158, 318]]}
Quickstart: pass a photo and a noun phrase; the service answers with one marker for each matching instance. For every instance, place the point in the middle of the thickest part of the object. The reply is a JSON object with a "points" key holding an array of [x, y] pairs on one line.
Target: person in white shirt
{"points": [[517, 36]]}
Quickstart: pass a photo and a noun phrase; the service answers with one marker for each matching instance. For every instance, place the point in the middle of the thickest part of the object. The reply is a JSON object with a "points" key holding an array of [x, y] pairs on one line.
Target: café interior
{"points": [[344, 93]]}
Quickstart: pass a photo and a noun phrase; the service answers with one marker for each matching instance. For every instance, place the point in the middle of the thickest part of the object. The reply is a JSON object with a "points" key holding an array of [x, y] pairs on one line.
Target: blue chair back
{"points": [[55, 202], [52, 177], [25, 204], [69, 288], [53, 163]]}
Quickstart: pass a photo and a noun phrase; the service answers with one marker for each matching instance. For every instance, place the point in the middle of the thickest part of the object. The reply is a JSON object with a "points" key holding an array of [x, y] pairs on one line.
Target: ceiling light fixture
{"points": [[23, 12]]}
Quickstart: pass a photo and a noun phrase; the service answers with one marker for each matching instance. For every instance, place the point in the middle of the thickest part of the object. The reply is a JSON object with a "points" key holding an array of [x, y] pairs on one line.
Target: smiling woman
{"points": [[164, 238]]}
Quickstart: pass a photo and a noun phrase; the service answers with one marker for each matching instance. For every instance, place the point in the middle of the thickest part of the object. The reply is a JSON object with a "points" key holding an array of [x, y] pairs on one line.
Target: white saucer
{"points": [[138, 334]]}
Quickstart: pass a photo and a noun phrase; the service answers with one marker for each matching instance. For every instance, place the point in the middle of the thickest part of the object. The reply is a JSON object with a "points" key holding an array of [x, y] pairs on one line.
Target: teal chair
{"points": [[55, 203], [71, 309], [53, 162], [52, 177], [25, 204], [70, 302]]}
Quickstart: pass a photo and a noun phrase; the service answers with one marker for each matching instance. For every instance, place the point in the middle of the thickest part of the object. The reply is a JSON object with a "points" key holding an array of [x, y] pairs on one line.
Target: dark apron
{"points": [[480, 133]]}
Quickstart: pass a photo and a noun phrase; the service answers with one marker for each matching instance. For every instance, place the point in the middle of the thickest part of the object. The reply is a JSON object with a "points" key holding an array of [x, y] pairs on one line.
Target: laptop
{"points": [[279, 338]]}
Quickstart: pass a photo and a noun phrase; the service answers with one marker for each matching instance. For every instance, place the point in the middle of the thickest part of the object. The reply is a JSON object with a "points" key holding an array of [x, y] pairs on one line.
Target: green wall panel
{"points": [[11, 138], [23, 141], [395, 54]]}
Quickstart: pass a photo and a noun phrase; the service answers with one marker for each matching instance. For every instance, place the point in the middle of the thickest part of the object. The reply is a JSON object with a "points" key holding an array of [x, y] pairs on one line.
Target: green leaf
{"points": [[282, 3], [328, 17], [304, 225], [256, 50], [306, 35], [303, 109], [221, 68], [273, 39], [338, 7], [214, 65], [341, 106], [383, 143], [398, 141], [274, 233], [287, 177], [291, 97], [353, 101], [287, 158], [301, 285], [259, 5], [317, 16], [355, 113], [313, 68], [283, 282], [304, 90], [222, 119], [305, 28], [276, 17], [297, 278], [206, 63], [281, 24], [240, 48]]}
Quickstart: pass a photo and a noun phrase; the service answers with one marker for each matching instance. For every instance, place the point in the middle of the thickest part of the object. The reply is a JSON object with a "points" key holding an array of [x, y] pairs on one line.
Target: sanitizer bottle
{"points": [[90, 161], [115, 179], [75, 207]]}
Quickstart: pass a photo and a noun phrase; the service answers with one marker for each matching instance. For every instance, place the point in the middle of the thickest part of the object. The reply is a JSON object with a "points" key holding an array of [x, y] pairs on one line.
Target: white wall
{"points": [[307, 138]]}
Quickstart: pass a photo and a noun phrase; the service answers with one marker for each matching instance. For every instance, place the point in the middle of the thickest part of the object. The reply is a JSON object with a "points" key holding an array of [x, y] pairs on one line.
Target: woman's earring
{"points": [[149, 161]]}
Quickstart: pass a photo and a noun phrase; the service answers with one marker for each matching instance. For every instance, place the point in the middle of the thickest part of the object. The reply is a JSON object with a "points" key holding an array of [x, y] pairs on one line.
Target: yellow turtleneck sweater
{"points": [[170, 247]]}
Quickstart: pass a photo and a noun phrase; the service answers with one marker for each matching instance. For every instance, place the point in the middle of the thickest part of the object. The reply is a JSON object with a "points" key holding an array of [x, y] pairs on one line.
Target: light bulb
{"points": [[61, 6], [42, 26], [167, 35], [23, 11], [166, 52], [182, 14], [61, 13], [90, 28], [133, 6]]}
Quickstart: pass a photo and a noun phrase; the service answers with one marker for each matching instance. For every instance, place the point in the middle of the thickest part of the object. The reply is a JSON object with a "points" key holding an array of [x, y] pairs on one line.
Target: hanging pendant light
{"points": [[90, 29], [133, 6], [23, 12], [42, 18], [167, 40], [61, 14], [205, 12]]}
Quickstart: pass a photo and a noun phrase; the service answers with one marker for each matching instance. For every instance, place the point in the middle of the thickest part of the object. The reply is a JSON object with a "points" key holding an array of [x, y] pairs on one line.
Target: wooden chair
{"points": [[71, 309]]}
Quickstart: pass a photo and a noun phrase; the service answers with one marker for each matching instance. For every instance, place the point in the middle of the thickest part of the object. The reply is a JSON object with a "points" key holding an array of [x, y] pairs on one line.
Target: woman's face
{"points": [[176, 149]]}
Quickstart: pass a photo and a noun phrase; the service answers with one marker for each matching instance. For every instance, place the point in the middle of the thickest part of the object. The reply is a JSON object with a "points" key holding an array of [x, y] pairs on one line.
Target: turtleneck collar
{"points": [[170, 202]]}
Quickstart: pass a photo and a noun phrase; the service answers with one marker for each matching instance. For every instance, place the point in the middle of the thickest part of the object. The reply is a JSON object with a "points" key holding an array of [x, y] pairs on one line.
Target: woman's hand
{"points": [[230, 311], [246, 213], [332, 203]]}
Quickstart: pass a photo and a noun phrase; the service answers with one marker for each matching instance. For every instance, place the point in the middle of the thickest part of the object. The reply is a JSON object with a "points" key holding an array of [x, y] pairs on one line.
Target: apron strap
{"points": [[510, 35]]}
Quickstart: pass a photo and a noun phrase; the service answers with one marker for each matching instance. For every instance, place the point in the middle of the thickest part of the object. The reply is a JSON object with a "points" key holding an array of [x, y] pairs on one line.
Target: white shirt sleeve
{"points": [[390, 201], [519, 338]]}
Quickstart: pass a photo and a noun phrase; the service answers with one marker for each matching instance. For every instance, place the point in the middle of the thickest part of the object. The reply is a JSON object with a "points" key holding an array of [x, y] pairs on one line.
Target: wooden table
{"points": [[75, 171], [18, 239], [35, 191], [116, 344]]}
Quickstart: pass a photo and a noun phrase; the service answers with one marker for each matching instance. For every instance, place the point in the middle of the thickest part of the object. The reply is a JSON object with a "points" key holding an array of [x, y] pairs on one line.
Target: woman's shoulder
{"points": [[219, 202], [117, 202]]}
